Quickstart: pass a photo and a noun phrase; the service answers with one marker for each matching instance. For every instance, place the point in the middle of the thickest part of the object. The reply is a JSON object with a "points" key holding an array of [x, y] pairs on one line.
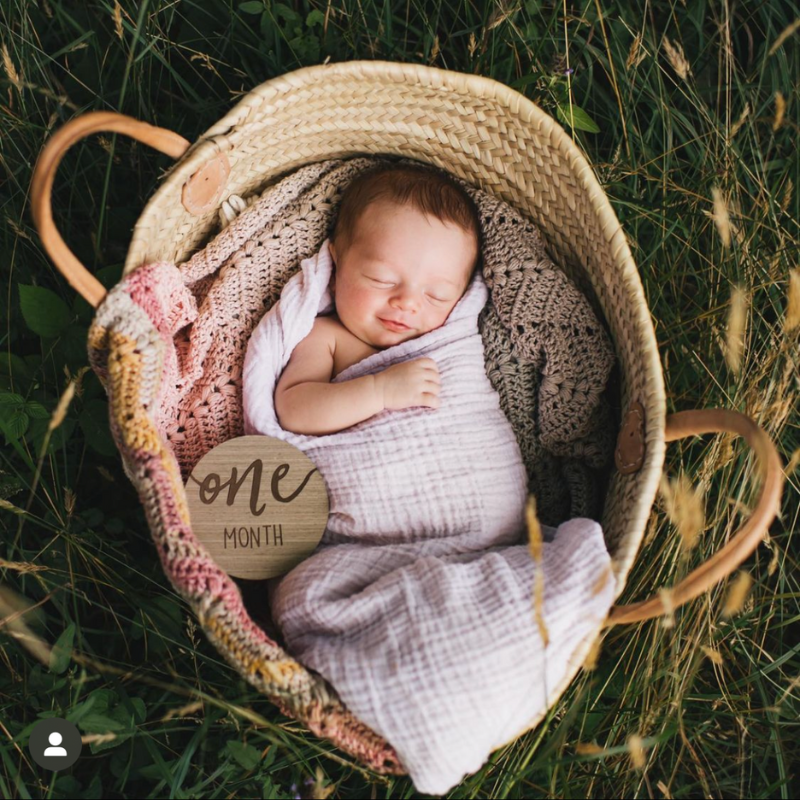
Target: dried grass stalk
{"points": [[737, 321], [668, 620], [118, 19], [721, 217], [784, 35], [794, 460], [787, 196], [636, 749], [712, 654], [12, 624], [593, 656], [792, 320], [742, 117], [183, 711], [10, 69], [21, 566], [61, 408], [535, 549], [634, 58], [98, 738], [677, 59], [780, 110], [684, 508], [664, 789], [737, 594]]}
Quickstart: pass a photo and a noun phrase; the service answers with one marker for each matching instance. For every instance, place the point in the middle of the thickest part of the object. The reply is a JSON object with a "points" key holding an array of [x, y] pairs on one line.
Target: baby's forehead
{"points": [[447, 269]]}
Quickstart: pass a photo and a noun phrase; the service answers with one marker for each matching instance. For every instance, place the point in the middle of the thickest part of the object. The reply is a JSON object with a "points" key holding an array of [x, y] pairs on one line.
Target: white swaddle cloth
{"points": [[417, 604]]}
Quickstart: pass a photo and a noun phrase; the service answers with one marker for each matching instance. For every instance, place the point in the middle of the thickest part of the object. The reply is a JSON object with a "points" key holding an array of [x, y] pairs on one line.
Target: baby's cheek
{"points": [[365, 304]]}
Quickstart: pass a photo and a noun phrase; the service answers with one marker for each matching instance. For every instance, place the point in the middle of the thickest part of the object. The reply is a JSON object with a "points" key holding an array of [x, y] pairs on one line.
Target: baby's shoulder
{"points": [[329, 322], [327, 329]]}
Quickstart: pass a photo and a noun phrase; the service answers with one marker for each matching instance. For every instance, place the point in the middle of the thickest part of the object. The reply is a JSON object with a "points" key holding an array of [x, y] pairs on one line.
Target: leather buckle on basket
{"points": [[204, 190], [630, 449]]}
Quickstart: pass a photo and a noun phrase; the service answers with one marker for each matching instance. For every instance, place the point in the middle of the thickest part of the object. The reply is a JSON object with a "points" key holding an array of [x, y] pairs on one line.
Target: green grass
{"points": [[77, 557]]}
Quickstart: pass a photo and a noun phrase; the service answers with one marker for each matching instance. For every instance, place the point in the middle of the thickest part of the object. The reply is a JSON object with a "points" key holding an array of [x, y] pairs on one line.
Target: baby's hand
{"points": [[412, 383]]}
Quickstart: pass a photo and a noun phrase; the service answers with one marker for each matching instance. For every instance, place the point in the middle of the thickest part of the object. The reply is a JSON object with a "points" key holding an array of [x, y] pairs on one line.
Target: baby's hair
{"points": [[428, 191]]}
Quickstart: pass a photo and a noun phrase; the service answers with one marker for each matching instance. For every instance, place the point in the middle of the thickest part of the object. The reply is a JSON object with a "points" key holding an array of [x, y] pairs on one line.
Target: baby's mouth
{"points": [[397, 327]]}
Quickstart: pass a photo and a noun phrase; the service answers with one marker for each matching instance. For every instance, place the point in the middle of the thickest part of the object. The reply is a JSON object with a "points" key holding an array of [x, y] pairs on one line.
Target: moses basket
{"points": [[476, 129]]}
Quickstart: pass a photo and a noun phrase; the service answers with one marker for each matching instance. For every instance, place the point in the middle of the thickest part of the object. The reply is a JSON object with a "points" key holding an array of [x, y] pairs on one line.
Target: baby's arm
{"points": [[306, 401]]}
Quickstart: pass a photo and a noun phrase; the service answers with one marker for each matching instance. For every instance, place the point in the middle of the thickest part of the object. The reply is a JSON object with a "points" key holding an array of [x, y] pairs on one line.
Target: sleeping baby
{"points": [[405, 248]]}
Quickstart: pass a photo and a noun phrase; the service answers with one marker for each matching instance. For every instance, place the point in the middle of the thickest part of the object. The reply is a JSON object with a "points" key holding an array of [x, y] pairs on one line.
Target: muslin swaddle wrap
{"points": [[417, 604]]}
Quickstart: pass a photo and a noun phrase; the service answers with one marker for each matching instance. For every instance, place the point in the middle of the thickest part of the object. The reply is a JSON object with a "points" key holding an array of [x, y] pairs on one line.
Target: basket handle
{"points": [[42, 185], [723, 563]]}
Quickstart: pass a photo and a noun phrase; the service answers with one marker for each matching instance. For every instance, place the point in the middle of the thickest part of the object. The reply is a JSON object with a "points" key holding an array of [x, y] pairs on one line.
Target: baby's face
{"points": [[401, 267]]}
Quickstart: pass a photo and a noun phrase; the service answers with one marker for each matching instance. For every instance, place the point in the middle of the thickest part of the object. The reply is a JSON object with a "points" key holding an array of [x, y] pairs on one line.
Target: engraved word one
{"points": [[211, 486]]}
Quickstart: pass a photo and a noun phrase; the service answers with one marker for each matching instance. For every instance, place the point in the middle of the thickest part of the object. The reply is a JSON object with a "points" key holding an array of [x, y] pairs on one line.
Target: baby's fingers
{"points": [[432, 386], [431, 400]]}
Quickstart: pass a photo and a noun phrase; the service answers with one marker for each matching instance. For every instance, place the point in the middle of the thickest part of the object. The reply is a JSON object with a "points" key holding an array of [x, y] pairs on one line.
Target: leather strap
{"points": [[723, 563], [42, 185]]}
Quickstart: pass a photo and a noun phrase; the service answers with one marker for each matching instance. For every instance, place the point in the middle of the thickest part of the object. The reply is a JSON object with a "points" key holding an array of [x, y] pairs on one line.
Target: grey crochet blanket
{"points": [[546, 353]]}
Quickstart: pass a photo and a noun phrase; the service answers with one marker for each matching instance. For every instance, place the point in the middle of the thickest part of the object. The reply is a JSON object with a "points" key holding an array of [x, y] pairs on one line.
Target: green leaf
{"points": [[36, 410], [577, 118], [100, 723], [58, 438], [12, 366], [159, 771], [244, 754], [61, 653], [524, 81], [10, 403], [66, 786], [94, 791], [9, 485], [44, 312], [14, 425], [139, 709], [316, 17], [251, 7], [289, 15]]}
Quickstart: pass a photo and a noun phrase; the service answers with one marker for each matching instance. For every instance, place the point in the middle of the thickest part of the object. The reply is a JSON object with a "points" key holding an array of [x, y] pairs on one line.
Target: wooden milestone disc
{"points": [[258, 505]]}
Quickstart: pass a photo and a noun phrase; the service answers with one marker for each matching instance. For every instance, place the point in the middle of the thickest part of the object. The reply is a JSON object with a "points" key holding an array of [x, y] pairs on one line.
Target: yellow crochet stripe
{"points": [[138, 431], [97, 339], [280, 673], [124, 374]]}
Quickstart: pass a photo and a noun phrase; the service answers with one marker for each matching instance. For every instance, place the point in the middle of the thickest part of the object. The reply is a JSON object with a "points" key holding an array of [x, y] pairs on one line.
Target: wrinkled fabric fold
{"points": [[417, 604]]}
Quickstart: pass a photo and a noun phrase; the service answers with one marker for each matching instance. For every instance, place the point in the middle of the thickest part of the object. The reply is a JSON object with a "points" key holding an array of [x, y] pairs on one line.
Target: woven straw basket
{"points": [[481, 131]]}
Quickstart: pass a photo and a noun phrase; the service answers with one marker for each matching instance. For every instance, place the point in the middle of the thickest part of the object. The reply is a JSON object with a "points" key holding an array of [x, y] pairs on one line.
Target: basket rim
{"points": [[217, 139]]}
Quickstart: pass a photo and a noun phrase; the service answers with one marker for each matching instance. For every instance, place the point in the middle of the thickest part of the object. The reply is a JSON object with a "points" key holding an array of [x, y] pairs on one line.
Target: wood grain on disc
{"points": [[258, 505]]}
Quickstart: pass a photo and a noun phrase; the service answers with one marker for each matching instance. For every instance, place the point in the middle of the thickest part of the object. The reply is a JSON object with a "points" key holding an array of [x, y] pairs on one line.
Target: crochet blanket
{"points": [[417, 604]]}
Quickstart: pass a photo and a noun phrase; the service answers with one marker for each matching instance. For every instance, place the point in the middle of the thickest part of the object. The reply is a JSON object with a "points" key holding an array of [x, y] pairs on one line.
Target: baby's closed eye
{"points": [[388, 284]]}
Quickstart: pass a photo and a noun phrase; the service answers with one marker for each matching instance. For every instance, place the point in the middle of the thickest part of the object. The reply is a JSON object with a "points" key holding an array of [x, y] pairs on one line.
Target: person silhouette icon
{"points": [[55, 743], [55, 740]]}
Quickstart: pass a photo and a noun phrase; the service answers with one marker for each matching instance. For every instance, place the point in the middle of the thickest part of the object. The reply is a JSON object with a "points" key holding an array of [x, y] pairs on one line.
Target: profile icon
{"points": [[55, 743], [55, 740]]}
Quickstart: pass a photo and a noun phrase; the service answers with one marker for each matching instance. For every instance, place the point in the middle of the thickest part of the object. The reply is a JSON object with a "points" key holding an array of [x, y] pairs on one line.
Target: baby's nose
{"points": [[405, 299]]}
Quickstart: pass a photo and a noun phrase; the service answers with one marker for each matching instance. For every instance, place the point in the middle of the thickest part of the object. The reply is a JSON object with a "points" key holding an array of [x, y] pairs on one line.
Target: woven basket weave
{"points": [[481, 131]]}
